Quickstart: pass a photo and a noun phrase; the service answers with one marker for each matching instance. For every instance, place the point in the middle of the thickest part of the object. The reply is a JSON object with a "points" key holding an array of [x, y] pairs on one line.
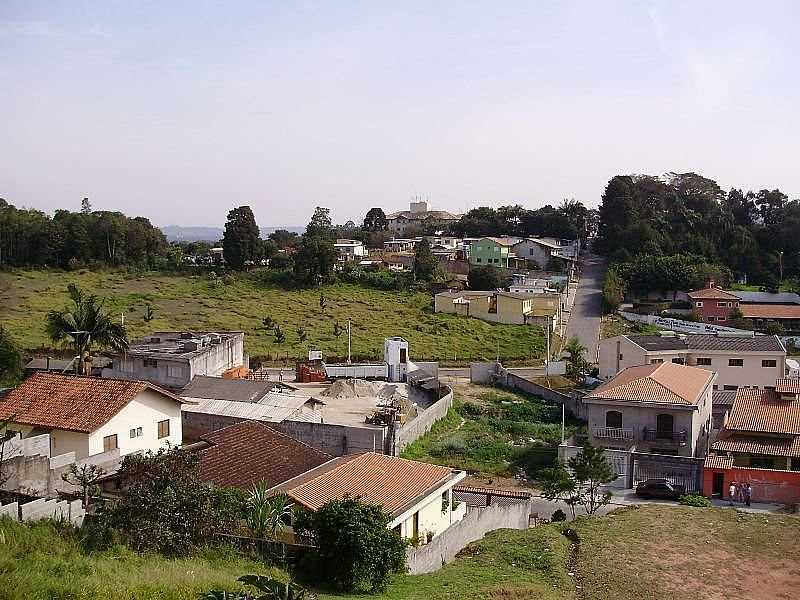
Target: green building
{"points": [[493, 251]]}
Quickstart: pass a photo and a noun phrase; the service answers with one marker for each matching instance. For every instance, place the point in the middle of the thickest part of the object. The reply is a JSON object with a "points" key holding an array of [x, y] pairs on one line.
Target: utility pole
{"points": [[780, 267], [563, 418], [348, 342], [547, 353]]}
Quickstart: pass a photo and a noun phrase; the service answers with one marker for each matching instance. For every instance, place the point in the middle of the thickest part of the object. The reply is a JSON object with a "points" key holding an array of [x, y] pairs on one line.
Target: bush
{"points": [[448, 447], [470, 410], [695, 500], [558, 515]]}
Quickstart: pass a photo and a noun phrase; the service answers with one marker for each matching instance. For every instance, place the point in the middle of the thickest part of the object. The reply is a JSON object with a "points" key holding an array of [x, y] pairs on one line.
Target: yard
{"points": [[182, 302], [493, 433]]}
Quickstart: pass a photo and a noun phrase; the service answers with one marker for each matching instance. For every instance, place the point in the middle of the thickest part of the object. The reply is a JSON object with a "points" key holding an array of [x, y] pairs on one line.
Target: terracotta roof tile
{"points": [[764, 411], [718, 462], [250, 452], [389, 481], [770, 311], [769, 446], [663, 383], [712, 294], [69, 402], [787, 386]]}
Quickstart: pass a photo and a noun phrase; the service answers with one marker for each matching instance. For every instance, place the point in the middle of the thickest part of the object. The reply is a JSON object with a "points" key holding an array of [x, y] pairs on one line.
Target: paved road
{"points": [[584, 320]]}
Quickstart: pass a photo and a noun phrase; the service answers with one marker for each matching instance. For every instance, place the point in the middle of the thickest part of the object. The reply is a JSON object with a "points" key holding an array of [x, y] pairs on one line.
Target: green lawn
{"points": [[187, 302], [36, 563], [493, 432]]}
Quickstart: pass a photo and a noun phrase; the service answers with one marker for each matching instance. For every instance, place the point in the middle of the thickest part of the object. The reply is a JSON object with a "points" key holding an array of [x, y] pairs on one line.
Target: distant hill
{"points": [[179, 233]]}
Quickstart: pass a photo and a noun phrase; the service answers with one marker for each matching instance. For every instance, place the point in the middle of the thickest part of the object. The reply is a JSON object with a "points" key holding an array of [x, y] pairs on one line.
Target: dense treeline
{"points": [[69, 239], [754, 234]]}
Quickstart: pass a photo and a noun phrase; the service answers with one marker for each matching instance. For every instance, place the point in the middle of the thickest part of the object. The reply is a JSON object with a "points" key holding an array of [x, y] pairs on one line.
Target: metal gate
{"points": [[680, 470]]}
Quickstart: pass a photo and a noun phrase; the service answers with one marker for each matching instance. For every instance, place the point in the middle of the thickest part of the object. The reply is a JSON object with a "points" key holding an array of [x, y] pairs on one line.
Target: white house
{"points": [[350, 249], [90, 415], [418, 496]]}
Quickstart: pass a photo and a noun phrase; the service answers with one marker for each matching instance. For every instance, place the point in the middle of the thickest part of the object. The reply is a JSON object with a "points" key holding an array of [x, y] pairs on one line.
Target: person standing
{"points": [[732, 492], [740, 492], [748, 493]]}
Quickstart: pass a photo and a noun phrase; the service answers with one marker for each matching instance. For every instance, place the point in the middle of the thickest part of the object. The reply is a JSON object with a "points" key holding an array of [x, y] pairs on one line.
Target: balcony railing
{"points": [[612, 433], [652, 434]]}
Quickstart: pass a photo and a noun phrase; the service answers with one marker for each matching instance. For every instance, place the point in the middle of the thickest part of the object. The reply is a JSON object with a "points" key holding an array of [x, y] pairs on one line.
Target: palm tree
{"points": [[576, 363], [84, 323]]}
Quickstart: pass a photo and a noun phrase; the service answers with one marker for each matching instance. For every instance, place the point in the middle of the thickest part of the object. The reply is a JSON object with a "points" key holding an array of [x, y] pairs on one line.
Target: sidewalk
{"points": [[628, 497]]}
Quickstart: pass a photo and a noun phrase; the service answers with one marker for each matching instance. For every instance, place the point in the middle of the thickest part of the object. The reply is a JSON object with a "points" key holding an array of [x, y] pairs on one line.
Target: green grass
{"points": [[38, 563], [195, 303], [615, 325], [495, 432]]}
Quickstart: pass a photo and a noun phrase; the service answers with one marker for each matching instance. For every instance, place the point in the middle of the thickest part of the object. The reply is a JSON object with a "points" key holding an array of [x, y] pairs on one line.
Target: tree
{"points": [[85, 477], [149, 313], [84, 324], [265, 514], [10, 358], [280, 337], [284, 239], [320, 224], [164, 506], [314, 260], [485, 277], [241, 241], [375, 220], [591, 470], [86, 207], [556, 483], [356, 548], [576, 363], [302, 336], [323, 302], [426, 266]]}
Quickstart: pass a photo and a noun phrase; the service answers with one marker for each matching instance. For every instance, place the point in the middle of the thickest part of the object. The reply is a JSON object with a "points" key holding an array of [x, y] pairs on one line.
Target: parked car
{"points": [[660, 488]]}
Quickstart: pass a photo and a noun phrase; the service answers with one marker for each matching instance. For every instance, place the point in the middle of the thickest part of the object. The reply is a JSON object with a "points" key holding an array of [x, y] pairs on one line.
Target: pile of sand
{"points": [[353, 388]]}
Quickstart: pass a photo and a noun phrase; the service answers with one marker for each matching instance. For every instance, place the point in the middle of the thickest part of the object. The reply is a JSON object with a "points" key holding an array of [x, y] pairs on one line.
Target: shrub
{"points": [[558, 515], [449, 446], [695, 500], [470, 410]]}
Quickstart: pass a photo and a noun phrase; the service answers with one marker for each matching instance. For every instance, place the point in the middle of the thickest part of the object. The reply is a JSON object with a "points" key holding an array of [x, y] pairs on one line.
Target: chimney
{"points": [[712, 284]]}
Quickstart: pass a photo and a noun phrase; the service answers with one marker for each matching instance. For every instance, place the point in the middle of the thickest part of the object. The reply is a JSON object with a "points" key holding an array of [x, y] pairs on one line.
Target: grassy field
{"points": [[493, 432], [36, 563], [614, 325], [195, 303]]}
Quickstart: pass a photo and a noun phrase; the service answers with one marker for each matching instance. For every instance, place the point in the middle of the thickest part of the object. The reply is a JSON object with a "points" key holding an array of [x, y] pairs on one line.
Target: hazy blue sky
{"points": [[179, 110]]}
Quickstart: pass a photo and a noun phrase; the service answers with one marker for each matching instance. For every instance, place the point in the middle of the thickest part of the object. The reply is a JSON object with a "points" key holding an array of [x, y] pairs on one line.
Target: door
{"points": [[415, 526], [718, 484], [664, 424]]}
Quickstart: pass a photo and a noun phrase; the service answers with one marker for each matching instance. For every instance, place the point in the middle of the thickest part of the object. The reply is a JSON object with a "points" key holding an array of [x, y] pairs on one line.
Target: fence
{"points": [[620, 460], [681, 470], [476, 524], [41, 508], [680, 325]]}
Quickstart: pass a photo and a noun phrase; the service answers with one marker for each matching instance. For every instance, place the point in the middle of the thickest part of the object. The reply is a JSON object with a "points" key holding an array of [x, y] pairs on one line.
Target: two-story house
{"points": [[502, 307], [662, 408], [494, 251], [740, 360], [712, 304]]}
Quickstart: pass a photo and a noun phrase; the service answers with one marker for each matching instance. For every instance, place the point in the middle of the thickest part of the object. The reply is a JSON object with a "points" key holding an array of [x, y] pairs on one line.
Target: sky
{"points": [[179, 111]]}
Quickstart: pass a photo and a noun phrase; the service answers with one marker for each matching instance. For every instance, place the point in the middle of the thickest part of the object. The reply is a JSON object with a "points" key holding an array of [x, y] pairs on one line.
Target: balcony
{"points": [[612, 433], [651, 434]]}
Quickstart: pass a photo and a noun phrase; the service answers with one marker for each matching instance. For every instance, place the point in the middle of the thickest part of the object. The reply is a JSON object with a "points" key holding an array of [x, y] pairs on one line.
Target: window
{"points": [[730, 388], [175, 371], [478, 259], [716, 387], [530, 253], [711, 319], [110, 443], [163, 428], [721, 318], [770, 388], [735, 362], [769, 363], [614, 419], [150, 362], [762, 462], [677, 361], [719, 304], [664, 426], [697, 304], [620, 356], [656, 361], [703, 362], [136, 432]]}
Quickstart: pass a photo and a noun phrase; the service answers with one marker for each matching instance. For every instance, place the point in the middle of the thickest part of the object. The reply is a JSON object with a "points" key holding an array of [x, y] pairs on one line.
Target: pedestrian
{"points": [[740, 492], [748, 493], [732, 492]]}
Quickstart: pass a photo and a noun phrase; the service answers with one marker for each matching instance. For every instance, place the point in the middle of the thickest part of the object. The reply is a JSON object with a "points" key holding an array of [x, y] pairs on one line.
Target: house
{"points": [[786, 316], [537, 251], [759, 444], [660, 408], [418, 219], [418, 496], [740, 360], [250, 453], [400, 244], [501, 307], [90, 415], [350, 249], [493, 251], [448, 242], [171, 359], [712, 304]]}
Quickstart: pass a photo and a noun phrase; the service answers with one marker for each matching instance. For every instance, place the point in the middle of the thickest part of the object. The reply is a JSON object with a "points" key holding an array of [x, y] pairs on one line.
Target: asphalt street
{"points": [[584, 321]]}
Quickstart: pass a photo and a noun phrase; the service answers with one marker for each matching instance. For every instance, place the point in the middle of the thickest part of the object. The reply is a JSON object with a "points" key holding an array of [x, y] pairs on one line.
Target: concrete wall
{"points": [[476, 524], [620, 460], [422, 423], [768, 485]]}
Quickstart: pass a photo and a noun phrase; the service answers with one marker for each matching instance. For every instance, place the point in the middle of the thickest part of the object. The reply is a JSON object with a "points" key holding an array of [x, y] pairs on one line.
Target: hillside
{"points": [[196, 303]]}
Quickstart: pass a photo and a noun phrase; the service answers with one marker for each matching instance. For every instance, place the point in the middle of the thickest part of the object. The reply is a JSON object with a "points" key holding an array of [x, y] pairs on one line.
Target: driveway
{"points": [[584, 320]]}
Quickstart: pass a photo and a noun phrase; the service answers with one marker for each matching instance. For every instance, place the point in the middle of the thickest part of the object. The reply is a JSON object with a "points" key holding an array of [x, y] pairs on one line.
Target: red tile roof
{"points": [[718, 462], [72, 403], [712, 294], [663, 383], [787, 386], [250, 452], [770, 311], [393, 483], [768, 446], [764, 411]]}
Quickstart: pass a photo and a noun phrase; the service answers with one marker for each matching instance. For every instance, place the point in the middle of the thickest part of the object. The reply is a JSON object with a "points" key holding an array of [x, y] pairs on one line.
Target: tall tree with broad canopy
{"points": [[375, 220], [426, 265], [485, 277], [10, 358], [84, 324], [241, 241]]}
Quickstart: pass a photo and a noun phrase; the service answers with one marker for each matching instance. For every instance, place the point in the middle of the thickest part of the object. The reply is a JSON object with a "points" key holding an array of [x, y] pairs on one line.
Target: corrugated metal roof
{"points": [[218, 388], [277, 408], [723, 397], [767, 297], [764, 411], [662, 383]]}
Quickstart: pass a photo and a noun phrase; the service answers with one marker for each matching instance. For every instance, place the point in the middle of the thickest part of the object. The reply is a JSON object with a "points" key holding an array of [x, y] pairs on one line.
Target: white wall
{"points": [[431, 517], [145, 411]]}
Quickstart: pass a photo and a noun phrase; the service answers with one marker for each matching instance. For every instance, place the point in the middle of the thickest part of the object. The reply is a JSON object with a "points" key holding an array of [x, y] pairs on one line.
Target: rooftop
{"points": [[767, 297], [723, 397], [712, 293], [787, 386], [70, 402], [710, 342], [770, 311], [771, 446], [764, 411], [667, 383], [394, 483], [183, 344], [274, 407], [218, 388], [250, 452], [428, 214]]}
